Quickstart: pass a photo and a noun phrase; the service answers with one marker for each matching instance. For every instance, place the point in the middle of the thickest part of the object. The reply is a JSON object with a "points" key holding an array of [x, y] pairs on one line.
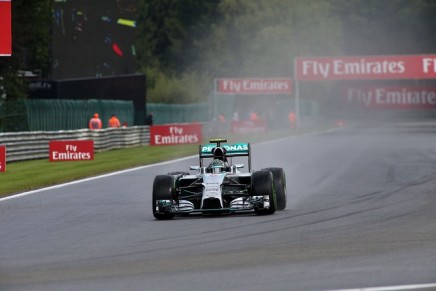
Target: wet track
{"points": [[361, 213]]}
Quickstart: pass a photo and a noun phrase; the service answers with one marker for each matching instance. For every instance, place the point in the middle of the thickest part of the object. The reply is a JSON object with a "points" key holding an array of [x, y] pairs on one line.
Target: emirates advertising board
{"points": [[366, 67], [2, 159], [253, 86], [71, 150], [391, 97], [5, 28], [175, 134]]}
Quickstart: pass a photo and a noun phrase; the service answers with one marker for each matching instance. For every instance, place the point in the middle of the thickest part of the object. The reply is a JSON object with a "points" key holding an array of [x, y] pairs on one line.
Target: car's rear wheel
{"points": [[163, 190], [262, 185], [279, 186]]}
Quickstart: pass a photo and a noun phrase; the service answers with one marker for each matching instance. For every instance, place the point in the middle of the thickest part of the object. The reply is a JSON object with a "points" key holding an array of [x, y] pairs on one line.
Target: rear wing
{"points": [[232, 150]]}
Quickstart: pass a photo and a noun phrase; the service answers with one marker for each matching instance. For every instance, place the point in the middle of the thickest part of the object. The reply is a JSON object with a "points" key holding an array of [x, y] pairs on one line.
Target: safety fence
{"points": [[56, 114], [30, 145], [178, 113], [275, 112], [68, 114], [35, 144]]}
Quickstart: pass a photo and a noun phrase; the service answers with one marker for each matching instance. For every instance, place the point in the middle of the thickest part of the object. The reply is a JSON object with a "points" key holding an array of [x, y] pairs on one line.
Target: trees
{"points": [[234, 38], [225, 38], [168, 31], [187, 42], [31, 22], [261, 38]]}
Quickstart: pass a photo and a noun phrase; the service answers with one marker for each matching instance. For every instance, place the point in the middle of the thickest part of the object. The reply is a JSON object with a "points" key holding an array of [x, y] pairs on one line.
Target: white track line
{"points": [[92, 178], [123, 171], [389, 288]]}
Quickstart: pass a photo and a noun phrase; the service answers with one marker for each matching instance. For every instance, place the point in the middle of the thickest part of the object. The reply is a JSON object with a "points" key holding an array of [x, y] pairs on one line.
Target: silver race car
{"points": [[218, 186]]}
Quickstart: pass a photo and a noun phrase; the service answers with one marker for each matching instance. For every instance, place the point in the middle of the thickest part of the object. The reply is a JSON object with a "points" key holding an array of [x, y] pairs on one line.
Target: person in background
{"points": [[149, 119], [95, 122], [253, 116], [114, 121], [221, 118]]}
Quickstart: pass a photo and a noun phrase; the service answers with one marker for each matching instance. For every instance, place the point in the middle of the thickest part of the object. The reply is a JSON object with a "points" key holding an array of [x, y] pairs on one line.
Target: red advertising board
{"points": [[366, 67], [2, 158], [392, 97], [5, 28], [71, 150], [253, 86], [173, 134]]}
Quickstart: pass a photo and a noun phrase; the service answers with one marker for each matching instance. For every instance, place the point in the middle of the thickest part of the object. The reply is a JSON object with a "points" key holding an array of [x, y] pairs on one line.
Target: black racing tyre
{"points": [[163, 189], [279, 186], [262, 184]]}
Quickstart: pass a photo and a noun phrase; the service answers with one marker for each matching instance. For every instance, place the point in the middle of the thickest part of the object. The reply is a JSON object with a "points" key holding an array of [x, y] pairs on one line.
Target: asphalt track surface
{"points": [[361, 213]]}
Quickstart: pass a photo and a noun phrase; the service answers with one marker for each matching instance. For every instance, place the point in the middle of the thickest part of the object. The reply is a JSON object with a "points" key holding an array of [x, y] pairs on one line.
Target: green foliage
{"points": [[261, 38], [31, 33], [234, 37], [168, 30], [183, 44], [189, 87], [31, 23], [179, 42], [227, 38], [29, 175]]}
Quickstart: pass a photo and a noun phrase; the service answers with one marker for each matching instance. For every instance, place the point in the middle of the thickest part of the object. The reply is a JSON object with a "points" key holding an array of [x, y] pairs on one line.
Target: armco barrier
{"points": [[31, 145]]}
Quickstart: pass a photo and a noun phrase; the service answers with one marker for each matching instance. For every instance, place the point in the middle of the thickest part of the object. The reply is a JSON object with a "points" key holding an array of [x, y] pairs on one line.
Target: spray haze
{"points": [[260, 38]]}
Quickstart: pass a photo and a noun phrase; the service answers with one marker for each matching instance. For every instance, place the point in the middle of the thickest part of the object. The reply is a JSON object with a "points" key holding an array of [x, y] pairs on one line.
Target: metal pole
{"points": [[297, 104], [297, 96], [215, 105]]}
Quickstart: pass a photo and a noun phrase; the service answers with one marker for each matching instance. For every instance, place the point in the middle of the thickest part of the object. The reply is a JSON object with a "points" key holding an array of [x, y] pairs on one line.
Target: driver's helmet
{"points": [[219, 153], [216, 166], [217, 163], [219, 160]]}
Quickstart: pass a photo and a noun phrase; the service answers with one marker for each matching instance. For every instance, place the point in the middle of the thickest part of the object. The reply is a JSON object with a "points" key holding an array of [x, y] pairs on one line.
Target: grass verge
{"points": [[31, 175]]}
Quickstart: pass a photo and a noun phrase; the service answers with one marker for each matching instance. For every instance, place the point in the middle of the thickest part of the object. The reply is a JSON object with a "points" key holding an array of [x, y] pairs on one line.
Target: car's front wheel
{"points": [[163, 190], [262, 185]]}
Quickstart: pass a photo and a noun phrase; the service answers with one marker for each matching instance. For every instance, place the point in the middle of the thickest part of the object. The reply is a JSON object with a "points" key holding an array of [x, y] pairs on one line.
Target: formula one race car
{"points": [[219, 187]]}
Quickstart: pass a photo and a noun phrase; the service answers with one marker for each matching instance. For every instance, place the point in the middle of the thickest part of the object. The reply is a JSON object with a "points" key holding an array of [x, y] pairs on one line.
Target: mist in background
{"points": [[183, 45], [192, 42]]}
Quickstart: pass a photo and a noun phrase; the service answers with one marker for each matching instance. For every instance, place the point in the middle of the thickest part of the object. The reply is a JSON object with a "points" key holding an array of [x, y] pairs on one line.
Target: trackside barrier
{"points": [[31, 145]]}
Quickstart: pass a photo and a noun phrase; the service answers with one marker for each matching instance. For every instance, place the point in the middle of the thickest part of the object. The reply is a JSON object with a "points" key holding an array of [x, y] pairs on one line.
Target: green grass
{"points": [[31, 175]]}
